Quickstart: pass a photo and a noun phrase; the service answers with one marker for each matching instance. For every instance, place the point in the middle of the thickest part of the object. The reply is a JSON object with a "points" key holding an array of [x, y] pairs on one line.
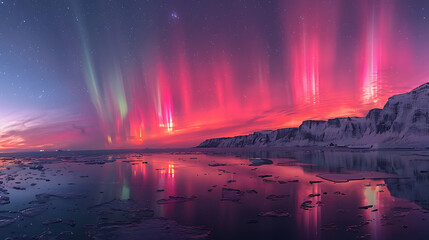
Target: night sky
{"points": [[130, 74]]}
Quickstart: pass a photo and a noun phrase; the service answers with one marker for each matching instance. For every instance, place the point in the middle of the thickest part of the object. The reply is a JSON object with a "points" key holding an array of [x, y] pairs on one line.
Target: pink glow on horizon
{"points": [[50, 131]]}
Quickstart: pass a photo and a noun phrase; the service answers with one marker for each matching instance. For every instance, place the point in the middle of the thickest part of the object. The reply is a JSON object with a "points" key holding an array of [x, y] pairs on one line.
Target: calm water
{"points": [[121, 194]]}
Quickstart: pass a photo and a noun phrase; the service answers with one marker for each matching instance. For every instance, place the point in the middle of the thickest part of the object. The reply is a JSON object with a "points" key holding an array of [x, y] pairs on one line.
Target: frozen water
{"points": [[34, 211], [123, 210], [126, 195], [156, 228]]}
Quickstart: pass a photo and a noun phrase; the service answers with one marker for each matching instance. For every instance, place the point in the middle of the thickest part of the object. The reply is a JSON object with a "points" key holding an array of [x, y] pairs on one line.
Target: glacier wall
{"points": [[403, 122]]}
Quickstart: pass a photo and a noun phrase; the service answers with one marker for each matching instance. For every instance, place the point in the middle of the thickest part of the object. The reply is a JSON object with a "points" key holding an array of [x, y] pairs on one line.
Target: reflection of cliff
{"points": [[408, 164], [416, 190], [404, 121], [414, 186]]}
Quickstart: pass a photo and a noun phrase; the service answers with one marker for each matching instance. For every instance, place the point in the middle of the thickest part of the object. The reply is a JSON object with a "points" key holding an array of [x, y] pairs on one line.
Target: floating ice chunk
{"points": [[356, 228], [4, 200], [366, 207], [5, 221], [269, 180], [231, 194], [173, 199], [45, 197], [66, 235], [276, 197], [33, 211], [52, 221], [215, 164], [3, 190], [151, 229], [127, 210], [35, 166], [44, 235], [275, 213], [307, 205], [259, 161], [329, 226], [67, 196]]}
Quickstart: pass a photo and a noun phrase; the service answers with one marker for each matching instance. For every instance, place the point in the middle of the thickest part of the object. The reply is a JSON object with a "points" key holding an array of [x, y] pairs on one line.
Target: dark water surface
{"points": [[115, 195]]}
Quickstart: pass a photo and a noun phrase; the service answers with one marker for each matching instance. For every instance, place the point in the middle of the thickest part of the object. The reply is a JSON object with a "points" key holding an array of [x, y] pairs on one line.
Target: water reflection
{"points": [[186, 175], [412, 166], [335, 210]]}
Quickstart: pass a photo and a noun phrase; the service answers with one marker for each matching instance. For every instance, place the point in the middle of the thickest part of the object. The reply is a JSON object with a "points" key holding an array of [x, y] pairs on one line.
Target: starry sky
{"points": [[135, 74]]}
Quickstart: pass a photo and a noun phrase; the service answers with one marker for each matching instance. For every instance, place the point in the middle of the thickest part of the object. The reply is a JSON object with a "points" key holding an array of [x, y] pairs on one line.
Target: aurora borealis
{"points": [[136, 74]]}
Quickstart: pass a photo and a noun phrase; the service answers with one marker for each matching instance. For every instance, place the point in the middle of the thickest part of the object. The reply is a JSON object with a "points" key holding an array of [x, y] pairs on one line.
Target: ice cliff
{"points": [[403, 122]]}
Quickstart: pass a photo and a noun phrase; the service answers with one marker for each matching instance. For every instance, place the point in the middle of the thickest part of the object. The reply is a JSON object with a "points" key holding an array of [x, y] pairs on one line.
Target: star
{"points": [[174, 15]]}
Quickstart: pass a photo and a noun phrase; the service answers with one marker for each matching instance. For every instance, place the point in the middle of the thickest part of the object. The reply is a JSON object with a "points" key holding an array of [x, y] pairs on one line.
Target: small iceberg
{"points": [[33, 211], [5, 221], [231, 194], [260, 161], [275, 213], [215, 164], [173, 199]]}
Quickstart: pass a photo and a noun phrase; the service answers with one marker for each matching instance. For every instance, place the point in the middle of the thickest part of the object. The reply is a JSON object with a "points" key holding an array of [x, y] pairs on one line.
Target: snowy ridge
{"points": [[403, 122]]}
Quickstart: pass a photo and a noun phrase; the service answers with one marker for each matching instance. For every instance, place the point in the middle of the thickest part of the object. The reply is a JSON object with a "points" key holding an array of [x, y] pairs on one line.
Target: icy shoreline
{"points": [[402, 123]]}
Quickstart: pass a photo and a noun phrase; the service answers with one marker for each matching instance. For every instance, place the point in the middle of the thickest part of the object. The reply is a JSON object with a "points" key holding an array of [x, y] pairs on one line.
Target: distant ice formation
{"points": [[403, 122]]}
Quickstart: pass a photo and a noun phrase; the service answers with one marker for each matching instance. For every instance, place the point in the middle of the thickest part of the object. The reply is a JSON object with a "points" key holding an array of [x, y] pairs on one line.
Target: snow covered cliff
{"points": [[403, 122]]}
